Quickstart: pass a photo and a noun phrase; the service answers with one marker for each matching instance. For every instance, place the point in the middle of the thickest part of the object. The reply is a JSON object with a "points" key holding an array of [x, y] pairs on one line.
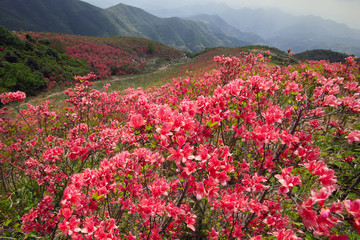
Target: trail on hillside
{"points": [[112, 79], [129, 77]]}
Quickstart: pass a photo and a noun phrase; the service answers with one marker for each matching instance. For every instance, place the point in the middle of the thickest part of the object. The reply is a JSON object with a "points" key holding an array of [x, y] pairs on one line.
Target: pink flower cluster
{"points": [[12, 97]]}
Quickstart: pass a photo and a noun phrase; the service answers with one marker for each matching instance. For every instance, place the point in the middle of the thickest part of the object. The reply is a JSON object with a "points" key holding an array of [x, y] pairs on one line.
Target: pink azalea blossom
{"points": [[353, 136], [12, 97], [136, 121]]}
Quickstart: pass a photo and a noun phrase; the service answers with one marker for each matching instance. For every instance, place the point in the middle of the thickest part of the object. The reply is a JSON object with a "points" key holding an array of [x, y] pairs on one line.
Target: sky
{"points": [[342, 11]]}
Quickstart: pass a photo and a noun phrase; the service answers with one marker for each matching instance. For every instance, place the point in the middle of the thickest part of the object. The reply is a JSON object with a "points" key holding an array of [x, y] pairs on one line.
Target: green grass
{"points": [[143, 81]]}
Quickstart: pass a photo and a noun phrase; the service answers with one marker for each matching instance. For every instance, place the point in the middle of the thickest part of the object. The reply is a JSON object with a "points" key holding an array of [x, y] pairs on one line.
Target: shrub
{"points": [[18, 76], [150, 48], [9, 39], [12, 55]]}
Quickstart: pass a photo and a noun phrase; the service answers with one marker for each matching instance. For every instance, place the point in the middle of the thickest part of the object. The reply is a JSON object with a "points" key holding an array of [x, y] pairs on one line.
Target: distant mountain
{"points": [[175, 32], [312, 32], [217, 24], [188, 11], [77, 17], [280, 29]]}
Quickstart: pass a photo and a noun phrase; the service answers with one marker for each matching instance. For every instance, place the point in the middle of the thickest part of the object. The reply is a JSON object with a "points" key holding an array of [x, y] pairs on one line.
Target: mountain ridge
{"points": [[174, 32], [218, 24], [81, 18]]}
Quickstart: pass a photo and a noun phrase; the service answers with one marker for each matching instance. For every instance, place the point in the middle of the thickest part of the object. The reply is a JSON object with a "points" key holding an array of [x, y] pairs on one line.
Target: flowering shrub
{"points": [[248, 151], [12, 96]]}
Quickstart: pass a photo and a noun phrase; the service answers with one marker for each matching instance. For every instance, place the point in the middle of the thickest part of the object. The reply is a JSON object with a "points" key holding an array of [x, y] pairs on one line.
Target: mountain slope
{"points": [[80, 18], [65, 16], [174, 32]]}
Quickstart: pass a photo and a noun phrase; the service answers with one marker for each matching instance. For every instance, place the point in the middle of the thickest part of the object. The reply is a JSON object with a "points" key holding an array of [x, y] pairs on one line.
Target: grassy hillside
{"points": [[321, 54], [277, 56]]}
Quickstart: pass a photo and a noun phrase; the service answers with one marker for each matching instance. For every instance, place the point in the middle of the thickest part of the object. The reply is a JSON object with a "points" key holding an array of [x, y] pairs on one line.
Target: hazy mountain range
{"points": [[279, 29], [190, 28]]}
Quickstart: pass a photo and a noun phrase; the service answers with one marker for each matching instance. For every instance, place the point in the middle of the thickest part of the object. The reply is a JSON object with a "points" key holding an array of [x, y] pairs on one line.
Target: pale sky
{"points": [[342, 11]]}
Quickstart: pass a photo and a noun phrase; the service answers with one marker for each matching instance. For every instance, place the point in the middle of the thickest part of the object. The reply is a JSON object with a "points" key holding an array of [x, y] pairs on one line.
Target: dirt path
{"points": [[123, 78], [120, 78]]}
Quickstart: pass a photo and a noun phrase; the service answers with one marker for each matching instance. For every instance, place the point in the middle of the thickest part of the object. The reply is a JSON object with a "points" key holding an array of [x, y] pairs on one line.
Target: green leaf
{"points": [[97, 197], [311, 237], [354, 237], [32, 235], [210, 124], [7, 222]]}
